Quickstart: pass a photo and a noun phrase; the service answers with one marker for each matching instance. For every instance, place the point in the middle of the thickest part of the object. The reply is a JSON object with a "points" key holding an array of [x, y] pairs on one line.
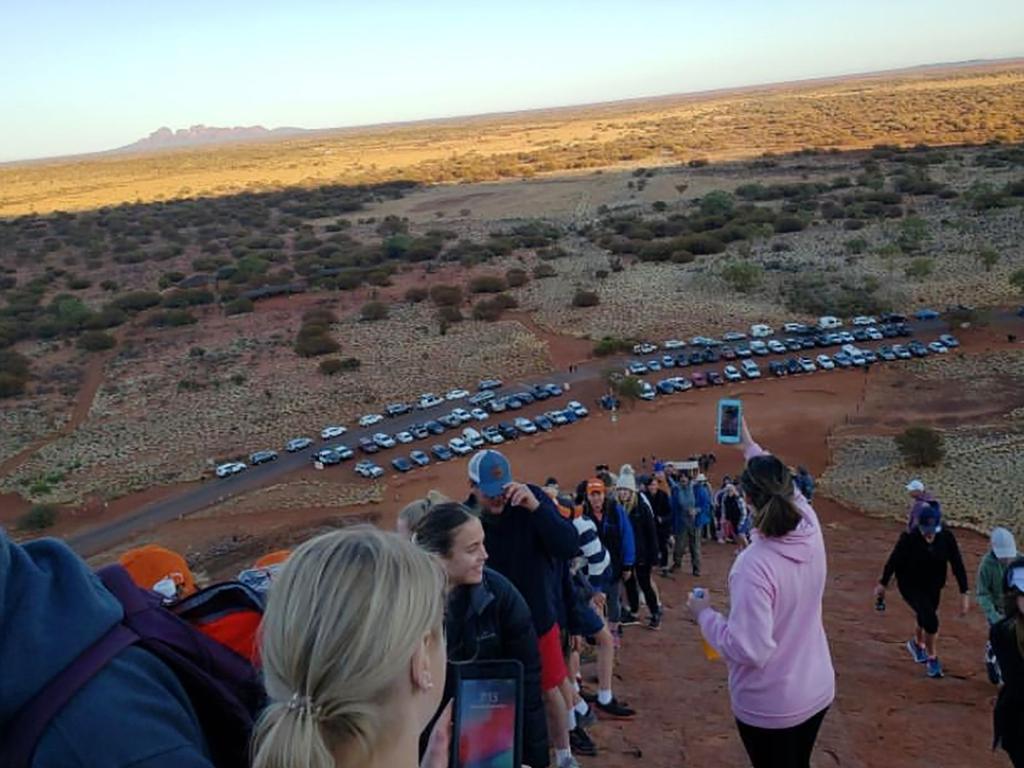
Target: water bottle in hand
{"points": [[710, 653]]}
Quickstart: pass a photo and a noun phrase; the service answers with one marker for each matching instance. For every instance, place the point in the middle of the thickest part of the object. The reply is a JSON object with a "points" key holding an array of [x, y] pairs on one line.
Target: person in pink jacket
{"points": [[781, 680]]}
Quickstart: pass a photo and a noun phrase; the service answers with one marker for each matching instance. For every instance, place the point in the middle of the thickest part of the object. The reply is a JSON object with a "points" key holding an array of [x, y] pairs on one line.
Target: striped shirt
{"points": [[591, 547]]}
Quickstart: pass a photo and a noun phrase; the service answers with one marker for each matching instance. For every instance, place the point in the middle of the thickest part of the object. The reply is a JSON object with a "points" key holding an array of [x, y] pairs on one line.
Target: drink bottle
{"points": [[710, 653]]}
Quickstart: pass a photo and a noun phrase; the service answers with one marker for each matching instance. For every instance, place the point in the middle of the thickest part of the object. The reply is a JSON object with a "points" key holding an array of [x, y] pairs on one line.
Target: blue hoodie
{"points": [[134, 712]]}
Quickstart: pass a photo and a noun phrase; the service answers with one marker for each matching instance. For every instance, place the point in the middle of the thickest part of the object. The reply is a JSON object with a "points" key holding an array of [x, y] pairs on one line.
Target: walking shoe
{"points": [[696, 572], [934, 667], [920, 654], [569, 762], [581, 743], [655, 621], [665, 573], [614, 710], [995, 675], [628, 619], [675, 567], [588, 696]]}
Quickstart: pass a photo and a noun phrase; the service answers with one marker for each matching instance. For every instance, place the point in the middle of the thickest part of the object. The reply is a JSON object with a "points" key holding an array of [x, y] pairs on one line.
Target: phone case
{"points": [[505, 672], [729, 438]]}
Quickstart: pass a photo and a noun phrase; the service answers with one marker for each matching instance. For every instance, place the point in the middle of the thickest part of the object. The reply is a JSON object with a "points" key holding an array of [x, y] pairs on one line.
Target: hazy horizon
{"points": [[319, 65]]}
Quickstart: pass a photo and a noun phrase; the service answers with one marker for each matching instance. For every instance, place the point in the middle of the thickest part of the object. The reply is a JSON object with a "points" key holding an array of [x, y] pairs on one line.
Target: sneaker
{"points": [[569, 762], [614, 710], [588, 696], [696, 573], [675, 567], [581, 743], [920, 654], [628, 619], [934, 667], [665, 573], [588, 719], [995, 676], [655, 622]]}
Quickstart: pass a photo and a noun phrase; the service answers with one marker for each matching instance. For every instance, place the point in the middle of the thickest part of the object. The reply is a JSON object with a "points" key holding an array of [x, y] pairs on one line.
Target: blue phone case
{"points": [[729, 439]]}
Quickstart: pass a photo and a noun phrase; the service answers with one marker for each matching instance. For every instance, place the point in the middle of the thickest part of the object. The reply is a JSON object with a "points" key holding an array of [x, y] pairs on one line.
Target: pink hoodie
{"points": [[780, 668]]}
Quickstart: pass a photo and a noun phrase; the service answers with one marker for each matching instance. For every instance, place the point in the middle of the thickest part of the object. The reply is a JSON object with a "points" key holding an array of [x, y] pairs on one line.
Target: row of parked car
{"points": [[849, 356]]}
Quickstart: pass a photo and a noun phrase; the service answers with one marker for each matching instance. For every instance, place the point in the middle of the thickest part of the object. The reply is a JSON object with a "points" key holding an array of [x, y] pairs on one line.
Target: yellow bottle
{"points": [[710, 653]]}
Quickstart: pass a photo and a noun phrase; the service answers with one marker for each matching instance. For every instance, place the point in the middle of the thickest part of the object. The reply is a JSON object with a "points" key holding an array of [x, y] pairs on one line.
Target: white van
{"points": [[471, 436], [761, 331], [829, 323]]}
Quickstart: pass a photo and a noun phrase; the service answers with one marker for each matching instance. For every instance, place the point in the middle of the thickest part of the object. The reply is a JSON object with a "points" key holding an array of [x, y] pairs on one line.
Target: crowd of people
{"points": [[359, 627]]}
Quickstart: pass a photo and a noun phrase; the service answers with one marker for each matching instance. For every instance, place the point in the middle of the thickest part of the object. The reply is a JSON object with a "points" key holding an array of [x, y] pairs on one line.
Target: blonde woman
{"points": [[353, 655]]}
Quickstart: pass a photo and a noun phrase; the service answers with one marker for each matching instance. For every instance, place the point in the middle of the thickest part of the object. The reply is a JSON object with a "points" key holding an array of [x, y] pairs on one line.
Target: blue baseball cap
{"points": [[490, 472], [930, 519]]}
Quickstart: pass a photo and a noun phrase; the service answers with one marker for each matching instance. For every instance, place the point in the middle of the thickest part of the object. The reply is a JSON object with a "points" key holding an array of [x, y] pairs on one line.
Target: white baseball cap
{"points": [[1003, 545], [915, 485]]}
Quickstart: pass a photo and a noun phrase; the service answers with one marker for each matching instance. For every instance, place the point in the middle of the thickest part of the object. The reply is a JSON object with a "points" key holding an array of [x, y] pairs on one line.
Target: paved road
{"points": [[213, 491]]}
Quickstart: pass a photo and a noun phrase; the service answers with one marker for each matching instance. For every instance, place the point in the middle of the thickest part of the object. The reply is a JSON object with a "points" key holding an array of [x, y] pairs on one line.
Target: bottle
{"points": [[880, 603], [709, 653]]}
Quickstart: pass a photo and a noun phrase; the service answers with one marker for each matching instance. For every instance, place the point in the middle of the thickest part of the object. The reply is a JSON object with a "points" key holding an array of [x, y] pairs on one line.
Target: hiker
{"points": [[353, 654], [804, 482], [664, 512], [990, 588], [1007, 641], [159, 569], [732, 514], [703, 520], [132, 712], [486, 617], [528, 542], [684, 525], [781, 679], [640, 508], [919, 561], [919, 499], [718, 509]]}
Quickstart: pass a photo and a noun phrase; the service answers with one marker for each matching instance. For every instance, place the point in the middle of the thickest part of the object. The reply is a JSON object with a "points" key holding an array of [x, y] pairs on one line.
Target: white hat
{"points": [[1003, 545], [627, 478], [915, 485], [701, 478]]}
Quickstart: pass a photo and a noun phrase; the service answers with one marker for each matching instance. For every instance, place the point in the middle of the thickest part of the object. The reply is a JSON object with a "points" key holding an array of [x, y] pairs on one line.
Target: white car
{"points": [[459, 446], [734, 336], [479, 414], [384, 441], [370, 419], [645, 348], [231, 468], [298, 444], [557, 418], [751, 369], [457, 394], [793, 328], [829, 323], [428, 400], [647, 392], [328, 433], [777, 346], [681, 383], [404, 437], [874, 334], [807, 364], [825, 362], [578, 408], [462, 414], [938, 346], [732, 373], [525, 426], [367, 468], [471, 436], [670, 344], [761, 331], [758, 348], [493, 436], [863, 320]]}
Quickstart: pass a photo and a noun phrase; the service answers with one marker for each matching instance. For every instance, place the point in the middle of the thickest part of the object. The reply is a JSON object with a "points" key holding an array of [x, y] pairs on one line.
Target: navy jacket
{"points": [[490, 621], [134, 712], [528, 548]]}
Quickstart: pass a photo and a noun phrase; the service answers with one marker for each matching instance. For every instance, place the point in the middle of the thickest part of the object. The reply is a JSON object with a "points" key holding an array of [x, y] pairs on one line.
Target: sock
{"points": [[562, 756], [576, 685], [582, 708], [572, 719], [604, 697]]}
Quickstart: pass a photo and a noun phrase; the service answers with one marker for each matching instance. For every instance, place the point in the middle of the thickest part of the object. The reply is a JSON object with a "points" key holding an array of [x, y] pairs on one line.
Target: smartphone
{"points": [[487, 715], [730, 414]]}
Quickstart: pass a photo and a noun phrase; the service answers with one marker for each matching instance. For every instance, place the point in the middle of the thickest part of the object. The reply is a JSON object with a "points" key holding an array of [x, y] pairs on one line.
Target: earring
{"points": [[427, 683]]}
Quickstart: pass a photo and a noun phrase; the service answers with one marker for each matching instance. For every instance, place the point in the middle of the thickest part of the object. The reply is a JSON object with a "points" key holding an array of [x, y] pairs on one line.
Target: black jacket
{"points": [[1008, 718], [920, 567], [490, 621], [645, 532], [528, 548], [662, 507]]}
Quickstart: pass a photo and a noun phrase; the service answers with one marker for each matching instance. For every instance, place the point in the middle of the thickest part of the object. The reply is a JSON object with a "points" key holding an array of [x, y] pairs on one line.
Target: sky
{"points": [[87, 75]]}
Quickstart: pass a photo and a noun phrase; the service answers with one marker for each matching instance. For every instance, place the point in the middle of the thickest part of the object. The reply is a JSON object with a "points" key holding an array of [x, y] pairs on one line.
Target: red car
{"points": [[699, 379]]}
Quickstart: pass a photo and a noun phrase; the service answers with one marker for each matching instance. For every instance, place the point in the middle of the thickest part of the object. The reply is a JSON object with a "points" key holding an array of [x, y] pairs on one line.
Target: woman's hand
{"points": [[439, 743], [879, 591], [698, 604], [599, 601], [965, 603], [745, 439]]}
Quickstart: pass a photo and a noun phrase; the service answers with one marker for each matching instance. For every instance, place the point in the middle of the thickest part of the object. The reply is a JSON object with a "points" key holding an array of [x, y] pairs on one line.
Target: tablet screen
{"points": [[487, 731]]}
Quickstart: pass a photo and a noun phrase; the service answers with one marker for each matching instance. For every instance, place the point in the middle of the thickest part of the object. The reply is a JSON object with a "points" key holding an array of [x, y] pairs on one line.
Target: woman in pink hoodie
{"points": [[781, 680]]}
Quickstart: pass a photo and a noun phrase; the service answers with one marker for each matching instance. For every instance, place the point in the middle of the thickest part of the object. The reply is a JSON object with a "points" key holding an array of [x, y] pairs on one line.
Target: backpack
{"points": [[200, 639]]}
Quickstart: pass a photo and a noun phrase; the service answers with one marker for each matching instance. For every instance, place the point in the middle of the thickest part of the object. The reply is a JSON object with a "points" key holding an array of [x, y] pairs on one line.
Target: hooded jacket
{"points": [[920, 567], [780, 667], [702, 501], [616, 534], [683, 503], [1008, 717], [645, 533], [134, 712], [991, 574], [490, 620]]}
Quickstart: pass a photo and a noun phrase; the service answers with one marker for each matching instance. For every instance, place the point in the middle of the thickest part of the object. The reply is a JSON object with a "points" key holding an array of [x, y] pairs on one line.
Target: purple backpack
{"points": [[225, 689]]}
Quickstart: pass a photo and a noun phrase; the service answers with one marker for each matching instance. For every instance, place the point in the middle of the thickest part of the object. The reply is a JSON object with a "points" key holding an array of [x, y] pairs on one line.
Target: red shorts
{"points": [[552, 662]]}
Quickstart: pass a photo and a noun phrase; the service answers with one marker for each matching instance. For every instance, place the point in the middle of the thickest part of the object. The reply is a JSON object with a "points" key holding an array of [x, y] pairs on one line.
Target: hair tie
{"points": [[304, 705]]}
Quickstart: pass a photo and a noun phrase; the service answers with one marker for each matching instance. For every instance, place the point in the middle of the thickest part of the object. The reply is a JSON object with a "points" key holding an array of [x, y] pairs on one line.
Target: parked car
{"points": [[644, 348], [653, 365], [699, 380], [479, 414], [610, 402], [886, 353], [401, 463], [732, 373], [419, 458], [434, 427], [457, 394], [682, 383], [368, 468], [262, 457], [578, 408], [462, 415], [901, 352], [327, 456], [497, 405], [404, 437], [795, 345], [647, 392], [682, 359], [869, 356], [230, 468], [874, 334], [383, 440], [728, 353], [557, 418], [743, 351], [471, 436], [666, 387], [508, 430], [441, 452], [777, 347], [492, 435], [366, 445], [794, 328], [397, 409], [298, 444], [863, 320], [489, 384], [481, 397], [750, 369], [329, 433], [668, 361], [949, 341], [926, 314], [670, 344], [370, 419], [777, 368], [343, 451], [937, 346], [636, 368], [759, 348], [734, 336], [449, 421], [428, 400], [714, 378], [539, 393], [419, 431], [525, 426], [544, 423], [825, 362], [842, 360], [828, 323], [807, 365], [514, 403], [459, 447], [761, 331]]}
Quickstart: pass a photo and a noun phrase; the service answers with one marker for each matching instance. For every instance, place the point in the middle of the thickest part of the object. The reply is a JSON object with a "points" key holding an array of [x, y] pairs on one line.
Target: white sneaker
{"points": [[569, 762]]}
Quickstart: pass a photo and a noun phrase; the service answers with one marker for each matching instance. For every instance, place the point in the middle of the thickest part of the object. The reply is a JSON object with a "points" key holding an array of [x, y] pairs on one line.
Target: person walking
{"points": [[805, 482], [666, 508], [990, 588], [781, 678], [1007, 640], [732, 514], [486, 617], [919, 500], [684, 524], [919, 561], [703, 517], [641, 517]]}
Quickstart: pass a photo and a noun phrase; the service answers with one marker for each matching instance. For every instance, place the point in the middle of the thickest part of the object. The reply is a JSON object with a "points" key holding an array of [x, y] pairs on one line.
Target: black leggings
{"points": [[781, 747], [925, 605], [642, 575]]}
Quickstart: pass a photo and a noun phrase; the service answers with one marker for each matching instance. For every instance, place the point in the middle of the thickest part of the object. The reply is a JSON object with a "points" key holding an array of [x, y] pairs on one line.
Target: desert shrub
{"points": [[76, 283], [820, 293], [331, 366], [552, 253], [448, 313], [742, 276], [487, 284], [416, 294], [95, 341], [107, 317], [487, 310], [187, 297], [446, 295], [717, 203], [14, 373], [392, 225], [238, 306], [609, 345], [540, 271], [700, 244], [167, 279], [313, 342], [585, 299], [1017, 280], [136, 301], [172, 318], [856, 245], [319, 316], [988, 257], [7, 282], [38, 518], [378, 277], [921, 446], [789, 224], [918, 269], [516, 277], [373, 310]]}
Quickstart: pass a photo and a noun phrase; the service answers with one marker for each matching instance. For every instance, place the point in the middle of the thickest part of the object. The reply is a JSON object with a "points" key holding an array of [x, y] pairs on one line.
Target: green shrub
{"points": [[319, 316], [516, 277], [38, 518], [918, 269], [487, 284], [988, 257], [609, 345], [78, 283], [585, 299], [136, 301], [449, 314], [416, 294], [374, 310], [742, 276], [238, 306], [540, 271], [95, 341], [314, 344], [331, 366], [1017, 280], [446, 295], [172, 318], [921, 446]]}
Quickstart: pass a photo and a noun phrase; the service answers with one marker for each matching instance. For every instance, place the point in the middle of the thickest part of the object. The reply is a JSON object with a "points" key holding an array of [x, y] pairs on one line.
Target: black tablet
{"points": [[487, 715]]}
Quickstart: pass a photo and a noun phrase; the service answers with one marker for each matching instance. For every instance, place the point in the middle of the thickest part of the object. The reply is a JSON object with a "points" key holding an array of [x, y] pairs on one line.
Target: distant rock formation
{"points": [[198, 135]]}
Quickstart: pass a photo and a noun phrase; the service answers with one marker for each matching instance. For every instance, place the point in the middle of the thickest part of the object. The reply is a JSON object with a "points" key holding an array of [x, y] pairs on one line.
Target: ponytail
{"points": [[288, 737], [769, 484]]}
